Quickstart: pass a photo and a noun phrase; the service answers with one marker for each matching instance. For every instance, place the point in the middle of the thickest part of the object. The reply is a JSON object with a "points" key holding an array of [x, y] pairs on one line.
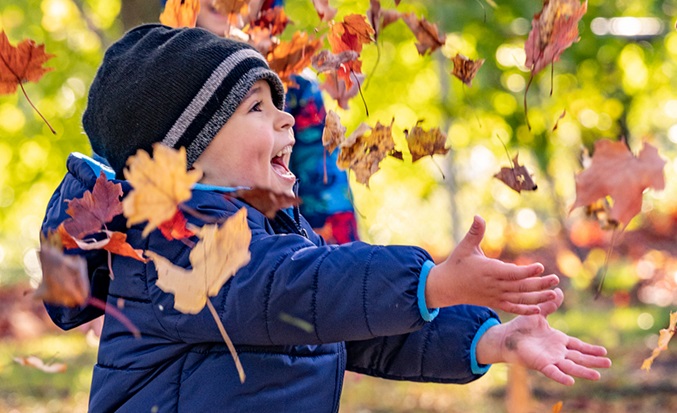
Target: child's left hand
{"points": [[531, 342]]}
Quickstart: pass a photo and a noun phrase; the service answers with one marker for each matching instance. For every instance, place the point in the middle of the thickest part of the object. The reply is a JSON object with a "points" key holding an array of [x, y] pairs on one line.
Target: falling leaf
{"points": [[426, 143], [557, 407], [274, 20], [160, 184], [218, 255], [323, 9], [175, 228], [64, 277], [363, 153], [334, 132], [380, 19], [326, 60], [289, 58], [465, 69], [338, 90], [428, 36], [517, 177], [617, 173], [265, 200], [37, 363], [112, 241], [350, 34], [95, 209], [21, 64], [664, 338], [226, 7], [180, 13], [554, 29]]}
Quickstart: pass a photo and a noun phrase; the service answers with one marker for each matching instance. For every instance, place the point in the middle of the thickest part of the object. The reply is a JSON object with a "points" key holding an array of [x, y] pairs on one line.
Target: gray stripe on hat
{"points": [[228, 107], [205, 93]]}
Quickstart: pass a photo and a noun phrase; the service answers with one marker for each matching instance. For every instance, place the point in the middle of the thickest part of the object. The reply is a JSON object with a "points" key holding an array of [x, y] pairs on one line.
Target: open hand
{"points": [[467, 276], [531, 342]]}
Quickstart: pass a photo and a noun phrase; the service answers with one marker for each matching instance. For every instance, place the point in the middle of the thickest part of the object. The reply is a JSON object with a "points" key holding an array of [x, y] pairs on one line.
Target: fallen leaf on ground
{"points": [[160, 184], [517, 177], [427, 34], [664, 338], [37, 363], [465, 69], [180, 13], [617, 173]]}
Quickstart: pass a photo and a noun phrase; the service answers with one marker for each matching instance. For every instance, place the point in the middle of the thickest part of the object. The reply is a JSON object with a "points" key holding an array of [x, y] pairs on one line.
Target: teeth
{"points": [[284, 151]]}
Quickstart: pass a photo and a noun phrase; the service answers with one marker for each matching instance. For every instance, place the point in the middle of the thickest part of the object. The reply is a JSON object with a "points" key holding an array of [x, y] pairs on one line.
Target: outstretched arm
{"points": [[529, 341], [467, 276]]}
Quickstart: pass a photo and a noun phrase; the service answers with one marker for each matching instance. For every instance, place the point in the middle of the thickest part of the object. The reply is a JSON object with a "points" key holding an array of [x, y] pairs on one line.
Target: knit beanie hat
{"points": [[174, 86]]}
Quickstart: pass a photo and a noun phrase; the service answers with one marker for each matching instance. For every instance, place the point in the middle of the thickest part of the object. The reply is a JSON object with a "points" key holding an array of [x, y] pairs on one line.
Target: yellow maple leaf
{"points": [[180, 13], [663, 339], [426, 143], [160, 184], [363, 153]]}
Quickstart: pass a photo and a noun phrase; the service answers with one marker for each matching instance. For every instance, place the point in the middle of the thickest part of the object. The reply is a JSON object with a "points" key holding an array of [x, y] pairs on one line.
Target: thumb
{"points": [[474, 235]]}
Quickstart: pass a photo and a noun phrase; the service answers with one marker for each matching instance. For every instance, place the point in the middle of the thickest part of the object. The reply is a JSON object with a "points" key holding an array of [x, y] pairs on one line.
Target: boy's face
{"points": [[253, 148]]}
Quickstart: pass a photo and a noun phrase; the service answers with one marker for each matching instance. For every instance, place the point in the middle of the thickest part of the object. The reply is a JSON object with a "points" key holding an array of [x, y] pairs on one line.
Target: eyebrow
{"points": [[252, 91]]}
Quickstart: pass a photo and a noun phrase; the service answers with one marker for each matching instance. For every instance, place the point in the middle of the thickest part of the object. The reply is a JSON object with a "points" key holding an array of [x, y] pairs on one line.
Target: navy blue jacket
{"points": [[361, 301]]}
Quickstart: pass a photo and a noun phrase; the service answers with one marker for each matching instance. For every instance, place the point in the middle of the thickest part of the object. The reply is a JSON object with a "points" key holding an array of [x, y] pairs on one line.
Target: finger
{"points": [[573, 369], [474, 236], [536, 297], [531, 284], [519, 272], [519, 309], [553, 372], [586, 360], [585, 348], [550, 307]]}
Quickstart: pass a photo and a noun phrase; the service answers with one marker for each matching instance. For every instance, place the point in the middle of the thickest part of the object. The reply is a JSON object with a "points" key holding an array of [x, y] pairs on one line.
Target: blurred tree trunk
{"points": [[136, 12]]}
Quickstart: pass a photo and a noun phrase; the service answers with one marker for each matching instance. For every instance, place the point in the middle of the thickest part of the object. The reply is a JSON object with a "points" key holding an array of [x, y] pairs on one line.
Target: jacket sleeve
{"points": [[295, 292], [442, 351]]}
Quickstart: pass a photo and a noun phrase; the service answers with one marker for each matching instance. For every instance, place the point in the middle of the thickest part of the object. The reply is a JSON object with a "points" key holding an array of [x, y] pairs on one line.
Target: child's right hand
{"points": [[467, 276]]}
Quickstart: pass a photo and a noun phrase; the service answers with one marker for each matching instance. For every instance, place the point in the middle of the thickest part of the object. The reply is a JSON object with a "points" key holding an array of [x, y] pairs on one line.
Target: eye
{"points": [[256, 107]]}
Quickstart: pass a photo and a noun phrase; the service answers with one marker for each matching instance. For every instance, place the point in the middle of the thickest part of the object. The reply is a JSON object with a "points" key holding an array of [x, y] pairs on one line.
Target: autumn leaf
{"points": [[379, 18], [617, 173], [180, 13], [95, 209], [21, 64], [289, 58], [326, 60], [265, 200], [64, 277], [175, 228], [227, 7], [338, 90], [426, 143], [333, 133], [350, 34], [274, 20], [323, 9], [554, 29], [517, 177], [37, 363], [465, 69], [427, 34], [664, 338], [363, 153], [557, 407], [160, 184]]}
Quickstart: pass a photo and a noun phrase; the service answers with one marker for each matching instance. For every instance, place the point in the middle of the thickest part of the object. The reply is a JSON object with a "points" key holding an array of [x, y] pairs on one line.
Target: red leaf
{"points": [[94, 209], [175, 228]]}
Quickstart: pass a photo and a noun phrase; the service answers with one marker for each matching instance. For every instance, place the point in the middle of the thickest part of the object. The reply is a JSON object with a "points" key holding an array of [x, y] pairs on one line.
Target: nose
{"points": [[284, 120]]}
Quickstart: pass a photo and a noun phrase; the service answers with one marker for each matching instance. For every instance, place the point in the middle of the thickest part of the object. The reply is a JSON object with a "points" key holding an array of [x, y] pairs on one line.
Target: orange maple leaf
{"points": [[180, 13], [617, 173], [20, 64], [427, 34], [289, 58], [275, 20], [350, 34]]}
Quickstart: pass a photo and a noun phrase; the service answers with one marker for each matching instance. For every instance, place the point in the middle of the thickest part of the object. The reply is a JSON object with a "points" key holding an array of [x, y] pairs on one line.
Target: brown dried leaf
{"points": [[517, 177], [265, 200], [379, 18], [617, 173], [334, 132], [95, 209], [426, 143], [337, 89], [428, 36], [326, 60], [465, 69], [37, 363], [663, 339], [363, 153], [64, 277]]}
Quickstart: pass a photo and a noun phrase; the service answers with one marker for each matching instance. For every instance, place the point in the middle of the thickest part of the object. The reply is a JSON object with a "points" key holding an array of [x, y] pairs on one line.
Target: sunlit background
{"points": [[620, 79]]}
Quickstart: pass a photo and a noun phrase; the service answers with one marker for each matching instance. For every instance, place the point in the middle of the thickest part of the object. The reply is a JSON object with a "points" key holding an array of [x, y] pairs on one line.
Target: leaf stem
{"points": [[115, 313], [229, 343]]}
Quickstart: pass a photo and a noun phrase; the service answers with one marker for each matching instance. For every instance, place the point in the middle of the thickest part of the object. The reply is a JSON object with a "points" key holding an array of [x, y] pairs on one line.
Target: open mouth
{"points": [[280, 162]]}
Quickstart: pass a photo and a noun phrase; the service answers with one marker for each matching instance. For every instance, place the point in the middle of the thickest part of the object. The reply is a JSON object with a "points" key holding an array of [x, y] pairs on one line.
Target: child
{"points": [[371, 307]]}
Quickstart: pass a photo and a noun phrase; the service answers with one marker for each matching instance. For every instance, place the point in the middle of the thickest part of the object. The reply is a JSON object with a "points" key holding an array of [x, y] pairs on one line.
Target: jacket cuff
{"points": [[428, 314], [474, 366]]}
